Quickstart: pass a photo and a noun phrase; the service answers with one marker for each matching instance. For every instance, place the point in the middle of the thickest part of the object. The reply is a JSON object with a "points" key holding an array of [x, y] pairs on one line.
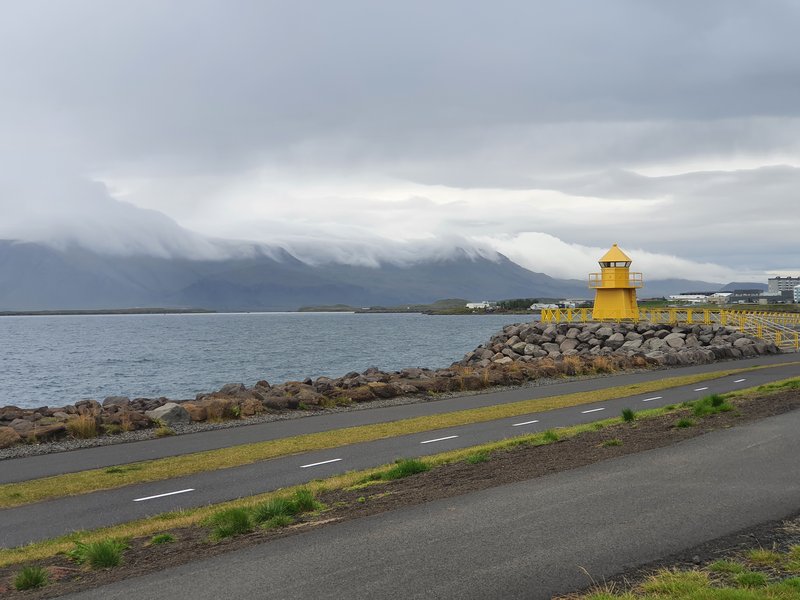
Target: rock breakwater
{"points": [[520, 353]]}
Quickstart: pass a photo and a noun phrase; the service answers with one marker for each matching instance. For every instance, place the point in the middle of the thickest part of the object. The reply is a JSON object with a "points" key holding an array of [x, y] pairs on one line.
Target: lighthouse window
{"points": [[615, 264]]}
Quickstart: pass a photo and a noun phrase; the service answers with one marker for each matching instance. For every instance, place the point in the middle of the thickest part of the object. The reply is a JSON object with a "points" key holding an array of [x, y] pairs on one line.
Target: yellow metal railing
{"points": [[779, 328]]}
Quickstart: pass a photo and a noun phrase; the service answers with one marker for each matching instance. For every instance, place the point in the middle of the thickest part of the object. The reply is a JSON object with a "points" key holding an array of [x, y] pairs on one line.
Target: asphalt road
{"points": [[33, 522], [34, 467], [525, 540]]}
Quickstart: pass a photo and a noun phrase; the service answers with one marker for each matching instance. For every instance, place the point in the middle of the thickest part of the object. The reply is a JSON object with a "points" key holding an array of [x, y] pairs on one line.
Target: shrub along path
{"points": [[447, 475]]}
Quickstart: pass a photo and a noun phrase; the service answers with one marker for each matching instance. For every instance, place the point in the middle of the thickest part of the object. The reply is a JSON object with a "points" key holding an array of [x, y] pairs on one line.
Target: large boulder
{"points": [[170, 413]]}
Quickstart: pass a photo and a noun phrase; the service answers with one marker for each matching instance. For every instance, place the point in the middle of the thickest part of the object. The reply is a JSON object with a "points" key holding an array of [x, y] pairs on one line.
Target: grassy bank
{"points": [[36, 490]]}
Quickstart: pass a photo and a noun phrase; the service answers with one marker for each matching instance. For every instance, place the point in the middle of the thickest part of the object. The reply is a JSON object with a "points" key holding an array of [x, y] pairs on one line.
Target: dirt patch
{"points": [[518, 463]]}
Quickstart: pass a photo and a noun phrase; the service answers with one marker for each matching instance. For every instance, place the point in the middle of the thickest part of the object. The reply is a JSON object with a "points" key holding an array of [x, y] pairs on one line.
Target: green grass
{"points": [[612, 442], [230, 522], [162, 538], [682, 423], [763, 557], [36, 490], [676, 583], [31, 578], [750, 579], [550, 436], [277, 522], [101, 554], [628, 415], [710, 405], [403, 467], [274, 507], [726, 566], [477, 457]]}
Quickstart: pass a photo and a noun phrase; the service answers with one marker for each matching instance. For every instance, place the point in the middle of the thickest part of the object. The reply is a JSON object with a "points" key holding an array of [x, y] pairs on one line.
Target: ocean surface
{"points": [[56, 360]]}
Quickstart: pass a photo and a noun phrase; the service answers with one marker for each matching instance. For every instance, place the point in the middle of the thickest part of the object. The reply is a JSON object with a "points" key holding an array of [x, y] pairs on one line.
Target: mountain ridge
{"points": [[35, 276]]}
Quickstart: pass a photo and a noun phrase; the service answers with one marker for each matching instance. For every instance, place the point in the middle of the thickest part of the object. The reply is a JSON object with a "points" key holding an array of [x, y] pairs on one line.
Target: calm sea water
{"points": [[57, 360]]}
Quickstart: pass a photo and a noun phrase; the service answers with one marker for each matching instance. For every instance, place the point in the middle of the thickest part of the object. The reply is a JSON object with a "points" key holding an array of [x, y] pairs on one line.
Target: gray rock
{"points": [[117, 401], [519, 347], [568, 345], [604, 332], [550, 347], [674, 342], [170, 414], [615, 340]]}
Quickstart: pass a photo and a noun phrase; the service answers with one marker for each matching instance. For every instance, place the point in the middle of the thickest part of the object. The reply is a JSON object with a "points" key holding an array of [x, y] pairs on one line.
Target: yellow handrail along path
{"points": [[779, 328]]}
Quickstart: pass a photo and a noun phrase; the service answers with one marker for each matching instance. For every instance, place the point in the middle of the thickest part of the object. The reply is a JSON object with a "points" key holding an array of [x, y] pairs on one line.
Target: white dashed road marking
{"points": [[653, 398], [324, 462], [524, 423], [701, 389], [583, 412], [449, 437], [739, 380], [162, 495]]}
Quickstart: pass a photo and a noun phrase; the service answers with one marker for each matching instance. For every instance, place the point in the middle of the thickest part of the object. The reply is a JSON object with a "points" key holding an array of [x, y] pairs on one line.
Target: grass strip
{"points": [[84, 482], [192, 517]]}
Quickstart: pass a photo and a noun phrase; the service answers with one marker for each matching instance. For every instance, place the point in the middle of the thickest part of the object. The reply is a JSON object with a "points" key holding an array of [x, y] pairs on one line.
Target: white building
{"points": [[690, 298], [782, 284], [797, 294], [478, 305]]}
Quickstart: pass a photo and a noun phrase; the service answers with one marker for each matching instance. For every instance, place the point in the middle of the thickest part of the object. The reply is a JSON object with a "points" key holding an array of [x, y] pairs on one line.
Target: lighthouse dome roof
{"points": [[615, 255]]}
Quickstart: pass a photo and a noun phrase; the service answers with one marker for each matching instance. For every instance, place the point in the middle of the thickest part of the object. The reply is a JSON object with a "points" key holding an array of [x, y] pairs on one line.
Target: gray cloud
{"points": [[450, 121]]}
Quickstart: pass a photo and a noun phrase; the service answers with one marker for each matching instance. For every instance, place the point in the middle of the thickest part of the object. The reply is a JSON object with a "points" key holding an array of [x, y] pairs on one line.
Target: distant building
{"points": [[541, 305], [479, 305], [782, 284], [745, 297], [720, 297], [797, 294], [690, 298]]}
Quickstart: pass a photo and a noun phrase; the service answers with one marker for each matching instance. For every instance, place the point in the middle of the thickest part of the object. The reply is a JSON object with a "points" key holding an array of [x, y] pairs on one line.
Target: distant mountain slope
{"points": [[38, 277]]}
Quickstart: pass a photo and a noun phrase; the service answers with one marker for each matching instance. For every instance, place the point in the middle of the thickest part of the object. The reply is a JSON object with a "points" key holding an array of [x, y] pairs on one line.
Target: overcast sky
{"points": [[367, 131]]}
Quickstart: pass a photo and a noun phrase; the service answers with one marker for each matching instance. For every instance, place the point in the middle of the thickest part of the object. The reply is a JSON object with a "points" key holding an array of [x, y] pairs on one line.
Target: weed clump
{"points": [[683, 423], [628, 415], [230, 522], [162, 538], [550, 436], [711, 405], [612, 442], [279, 512], [102, 554], [82, 427], [404, 468], [31, 578]]}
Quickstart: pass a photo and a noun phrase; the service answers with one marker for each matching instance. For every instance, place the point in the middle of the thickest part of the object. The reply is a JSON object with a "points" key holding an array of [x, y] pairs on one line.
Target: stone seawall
{"points": [[659, 344], [521, 352]]}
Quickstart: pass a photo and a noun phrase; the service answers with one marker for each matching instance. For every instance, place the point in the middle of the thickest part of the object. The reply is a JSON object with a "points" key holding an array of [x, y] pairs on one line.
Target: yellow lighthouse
{"points": [[615, 287]]}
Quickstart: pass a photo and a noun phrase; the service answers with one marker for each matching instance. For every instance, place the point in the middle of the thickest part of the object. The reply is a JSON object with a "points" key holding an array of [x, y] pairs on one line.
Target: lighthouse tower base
{"points": [[615, 304]]}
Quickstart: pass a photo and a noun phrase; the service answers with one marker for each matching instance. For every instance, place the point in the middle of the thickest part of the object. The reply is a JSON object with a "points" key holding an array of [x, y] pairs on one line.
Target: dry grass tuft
{"points": [[82, 427]]}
